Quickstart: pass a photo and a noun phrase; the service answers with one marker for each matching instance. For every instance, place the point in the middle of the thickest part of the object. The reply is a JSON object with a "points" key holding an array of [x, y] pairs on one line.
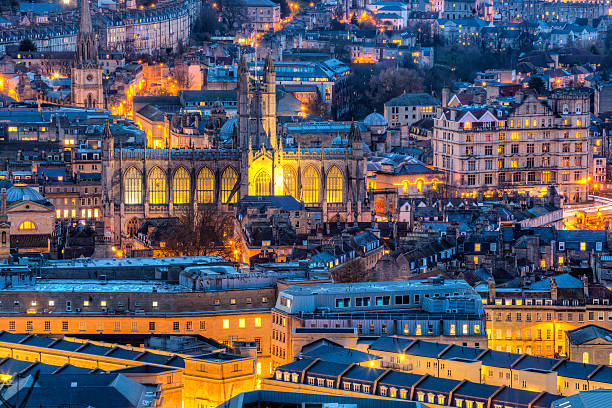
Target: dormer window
{"points": [[578, 109]]}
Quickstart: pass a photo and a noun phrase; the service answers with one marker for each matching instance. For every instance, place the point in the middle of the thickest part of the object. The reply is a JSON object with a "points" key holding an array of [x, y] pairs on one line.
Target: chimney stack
{"points": [[445, 95]]}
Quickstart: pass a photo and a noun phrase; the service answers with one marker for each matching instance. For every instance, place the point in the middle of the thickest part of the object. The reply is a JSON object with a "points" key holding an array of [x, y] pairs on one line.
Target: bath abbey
{"points": [[322, 164]]}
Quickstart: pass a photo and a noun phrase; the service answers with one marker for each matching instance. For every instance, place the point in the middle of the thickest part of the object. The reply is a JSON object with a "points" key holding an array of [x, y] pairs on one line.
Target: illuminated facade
{"points": [[534, 321], [435, 308], [155, 183], [523, 147], [189, 381]]}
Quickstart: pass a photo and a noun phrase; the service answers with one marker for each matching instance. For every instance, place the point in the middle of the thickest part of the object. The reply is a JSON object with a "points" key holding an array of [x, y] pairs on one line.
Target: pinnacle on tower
{"points": [[86, 26], [107, 132], [242, 65], [269, 65]]}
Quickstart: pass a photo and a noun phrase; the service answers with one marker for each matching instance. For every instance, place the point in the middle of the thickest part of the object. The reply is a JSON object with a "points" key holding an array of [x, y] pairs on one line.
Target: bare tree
{"points": [[317, 106], [390, 83], [353, 271], [182, 76], [203, 232]]}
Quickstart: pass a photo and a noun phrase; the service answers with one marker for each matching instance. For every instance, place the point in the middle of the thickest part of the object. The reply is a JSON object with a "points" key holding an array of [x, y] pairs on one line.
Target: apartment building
{"points": [[190, 381], [491, 367], [430, 308], [534, 319], [523, 147], [406, 109], [262, 15], [326, 377], [589, 344]]}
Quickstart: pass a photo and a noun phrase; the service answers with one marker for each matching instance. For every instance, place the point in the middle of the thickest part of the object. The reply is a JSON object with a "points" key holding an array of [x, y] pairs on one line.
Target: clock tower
{"points": [[86, 72]]}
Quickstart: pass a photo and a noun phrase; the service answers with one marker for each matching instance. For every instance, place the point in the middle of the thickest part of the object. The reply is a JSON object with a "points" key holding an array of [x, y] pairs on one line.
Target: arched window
{"points": [[228, 181], [262, 183], [334, 185], [4, 237], [157, 186], [27, 226], [289, 182], [89, 101], [132, 227], [310, 185], [205, 186], [180, 186], [132, 186]]}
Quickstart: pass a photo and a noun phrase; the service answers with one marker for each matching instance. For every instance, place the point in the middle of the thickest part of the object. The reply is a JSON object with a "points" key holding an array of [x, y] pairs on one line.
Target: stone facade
{"points": [[152, 183], [523, 148]]}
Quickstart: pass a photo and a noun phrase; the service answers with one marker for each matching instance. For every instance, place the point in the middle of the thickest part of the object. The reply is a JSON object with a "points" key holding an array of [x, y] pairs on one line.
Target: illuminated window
{"points": [[228, 181], [27, 226], [334, 185], [103, 303], [157, 186], [452, 330], [12, 128], [258, 322], [467, 125], [310, 193], [583, 246], [464, 329], [289, 182], [585, 357], [205, 186], [561, 260], [418, 330], [180, 186], [155, 304], [476, 260], [73, 213], [477, 247], [514, 135], [225, 323], [86, 303], [58, 213], [263, 182], [242, 323], [52, 303], [132, 184]]}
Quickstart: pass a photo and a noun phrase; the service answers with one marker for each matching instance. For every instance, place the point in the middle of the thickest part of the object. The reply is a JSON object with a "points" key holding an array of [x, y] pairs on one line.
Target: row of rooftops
{"points": [[492, 358], [412, 384], [133, 354]]}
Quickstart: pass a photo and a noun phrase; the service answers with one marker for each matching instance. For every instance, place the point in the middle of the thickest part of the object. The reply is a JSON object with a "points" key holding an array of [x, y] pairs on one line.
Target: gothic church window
{"points": [[310, 189], [132, 185], [205, 186], [180, 186], [157, 186], [262, 183], [289, 182], [228, 180], [132, 227], [334, 185]]}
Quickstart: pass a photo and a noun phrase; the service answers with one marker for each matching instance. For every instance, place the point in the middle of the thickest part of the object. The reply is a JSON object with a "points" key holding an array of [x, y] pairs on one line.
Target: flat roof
{"points": [[88, 285], [360, 287]]}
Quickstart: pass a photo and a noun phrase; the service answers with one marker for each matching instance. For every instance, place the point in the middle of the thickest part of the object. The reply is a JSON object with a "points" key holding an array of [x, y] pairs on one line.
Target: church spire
{"points": [[87, 42], [85, 17]]}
